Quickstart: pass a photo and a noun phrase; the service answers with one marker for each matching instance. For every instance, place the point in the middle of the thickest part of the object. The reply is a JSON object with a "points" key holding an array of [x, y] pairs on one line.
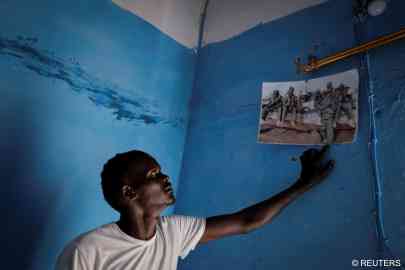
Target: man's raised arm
{"points": [[313, 171]]}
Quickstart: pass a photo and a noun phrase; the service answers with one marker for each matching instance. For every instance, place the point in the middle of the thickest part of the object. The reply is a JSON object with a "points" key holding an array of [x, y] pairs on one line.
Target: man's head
{"points": [[134, 180], [291, 91]]}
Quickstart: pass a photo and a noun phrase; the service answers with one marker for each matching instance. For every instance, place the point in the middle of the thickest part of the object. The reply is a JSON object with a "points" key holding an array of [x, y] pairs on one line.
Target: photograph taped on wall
{"points": [[318, 111]]}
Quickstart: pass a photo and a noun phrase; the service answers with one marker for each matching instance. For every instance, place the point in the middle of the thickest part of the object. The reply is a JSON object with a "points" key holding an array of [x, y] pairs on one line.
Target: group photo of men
{"points": [[322, 112]]}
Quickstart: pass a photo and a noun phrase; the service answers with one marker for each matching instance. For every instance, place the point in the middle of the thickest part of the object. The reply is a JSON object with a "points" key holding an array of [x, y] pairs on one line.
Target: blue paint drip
{"points": [[105, 94]]}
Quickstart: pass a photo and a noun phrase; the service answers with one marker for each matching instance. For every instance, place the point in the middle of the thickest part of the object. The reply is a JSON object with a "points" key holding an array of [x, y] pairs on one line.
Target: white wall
{"points": [[228, 18], [225, 18], [177, 18]]}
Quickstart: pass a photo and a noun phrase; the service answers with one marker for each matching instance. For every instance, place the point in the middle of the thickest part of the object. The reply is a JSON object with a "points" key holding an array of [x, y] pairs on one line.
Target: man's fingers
{"points": [[309, 155], [321, 154], [313, 156], [328, 168]]}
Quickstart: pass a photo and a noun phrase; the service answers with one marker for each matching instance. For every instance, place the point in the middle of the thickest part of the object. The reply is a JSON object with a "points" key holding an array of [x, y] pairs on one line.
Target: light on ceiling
{"points": [[376, 7]]}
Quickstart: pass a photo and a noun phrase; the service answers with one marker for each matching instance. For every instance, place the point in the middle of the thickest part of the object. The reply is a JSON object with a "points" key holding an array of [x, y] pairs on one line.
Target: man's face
{"points": [[153, 188]]}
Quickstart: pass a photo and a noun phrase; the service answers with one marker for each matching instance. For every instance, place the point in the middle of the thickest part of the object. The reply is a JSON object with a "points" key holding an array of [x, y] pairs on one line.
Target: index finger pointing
{"points": [[328, 167], [323, 152]]}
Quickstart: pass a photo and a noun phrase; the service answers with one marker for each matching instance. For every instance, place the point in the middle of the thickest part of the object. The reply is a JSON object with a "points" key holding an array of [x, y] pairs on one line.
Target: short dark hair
{"points": [[114, 171]]}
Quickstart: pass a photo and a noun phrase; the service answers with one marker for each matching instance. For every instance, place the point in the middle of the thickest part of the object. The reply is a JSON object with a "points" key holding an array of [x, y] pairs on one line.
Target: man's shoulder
{"points": [[174, 218], [86, 245], [179, 221], [92, 237]]}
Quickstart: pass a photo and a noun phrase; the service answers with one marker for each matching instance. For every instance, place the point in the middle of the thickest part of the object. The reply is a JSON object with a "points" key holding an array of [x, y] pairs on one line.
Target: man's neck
{"points": [[139, 226]]}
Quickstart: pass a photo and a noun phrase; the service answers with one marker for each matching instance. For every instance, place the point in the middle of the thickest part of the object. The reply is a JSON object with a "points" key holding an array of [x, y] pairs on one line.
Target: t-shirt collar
{"points": [[132, 239]]}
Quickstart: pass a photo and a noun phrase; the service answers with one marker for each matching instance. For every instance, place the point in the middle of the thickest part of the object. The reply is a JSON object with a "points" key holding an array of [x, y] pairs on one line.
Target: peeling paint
{"points": [[124, 104]]}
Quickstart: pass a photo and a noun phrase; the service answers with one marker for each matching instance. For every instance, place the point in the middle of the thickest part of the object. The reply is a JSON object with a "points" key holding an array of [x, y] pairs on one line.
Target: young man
{"points": [[134, 184]]}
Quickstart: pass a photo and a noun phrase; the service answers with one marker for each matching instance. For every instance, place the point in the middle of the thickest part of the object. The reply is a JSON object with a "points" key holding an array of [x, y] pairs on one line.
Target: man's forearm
{"points": [[263, 212], [313, 172]]}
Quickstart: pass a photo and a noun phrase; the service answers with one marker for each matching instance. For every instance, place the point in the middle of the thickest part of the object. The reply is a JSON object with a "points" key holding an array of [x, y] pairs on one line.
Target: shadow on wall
{"points": [[27, 212]]}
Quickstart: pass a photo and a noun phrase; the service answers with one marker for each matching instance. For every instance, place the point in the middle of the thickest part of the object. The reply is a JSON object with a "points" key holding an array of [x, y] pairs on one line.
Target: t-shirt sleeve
{"points": [[189, 232], [71, 259]]}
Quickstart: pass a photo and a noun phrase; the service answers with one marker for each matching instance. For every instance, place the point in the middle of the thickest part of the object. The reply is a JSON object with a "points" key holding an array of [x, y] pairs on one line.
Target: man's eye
{"points": [[154, 174]]}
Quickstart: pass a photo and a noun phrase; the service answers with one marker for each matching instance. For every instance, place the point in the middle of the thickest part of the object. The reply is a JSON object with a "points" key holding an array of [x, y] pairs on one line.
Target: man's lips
{"points": [[168, 188]]}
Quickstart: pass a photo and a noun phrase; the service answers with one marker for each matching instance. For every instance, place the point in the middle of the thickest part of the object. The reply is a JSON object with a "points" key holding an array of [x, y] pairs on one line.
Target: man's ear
{"points": [[128, 192]]}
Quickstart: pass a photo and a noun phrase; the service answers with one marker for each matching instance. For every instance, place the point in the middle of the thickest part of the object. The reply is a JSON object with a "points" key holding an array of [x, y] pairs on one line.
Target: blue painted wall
{"points": [[224, 169], [387, 80], [80, 81]]}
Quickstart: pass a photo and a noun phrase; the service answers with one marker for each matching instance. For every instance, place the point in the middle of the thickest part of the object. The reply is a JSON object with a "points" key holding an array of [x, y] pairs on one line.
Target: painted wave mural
{"points": [[124, 104]]}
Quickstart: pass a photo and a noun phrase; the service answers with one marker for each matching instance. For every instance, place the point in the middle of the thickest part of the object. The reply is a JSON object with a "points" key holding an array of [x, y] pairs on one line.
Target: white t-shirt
{"points": [[109, 248]]}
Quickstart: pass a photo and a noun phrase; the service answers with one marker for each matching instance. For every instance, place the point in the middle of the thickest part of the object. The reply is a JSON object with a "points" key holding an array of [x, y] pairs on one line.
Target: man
{"points": [[134, 184], [275, 105], [327, 110], [301, 99], [346, 104], [290, 105]]}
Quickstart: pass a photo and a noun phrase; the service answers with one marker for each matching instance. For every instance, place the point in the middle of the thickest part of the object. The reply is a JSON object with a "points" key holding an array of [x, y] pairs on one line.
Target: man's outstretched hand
{"points": [[314, 169]]}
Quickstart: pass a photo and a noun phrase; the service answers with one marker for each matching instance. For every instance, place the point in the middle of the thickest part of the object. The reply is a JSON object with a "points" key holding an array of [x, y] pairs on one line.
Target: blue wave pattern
{"points": [[101, 93]]}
